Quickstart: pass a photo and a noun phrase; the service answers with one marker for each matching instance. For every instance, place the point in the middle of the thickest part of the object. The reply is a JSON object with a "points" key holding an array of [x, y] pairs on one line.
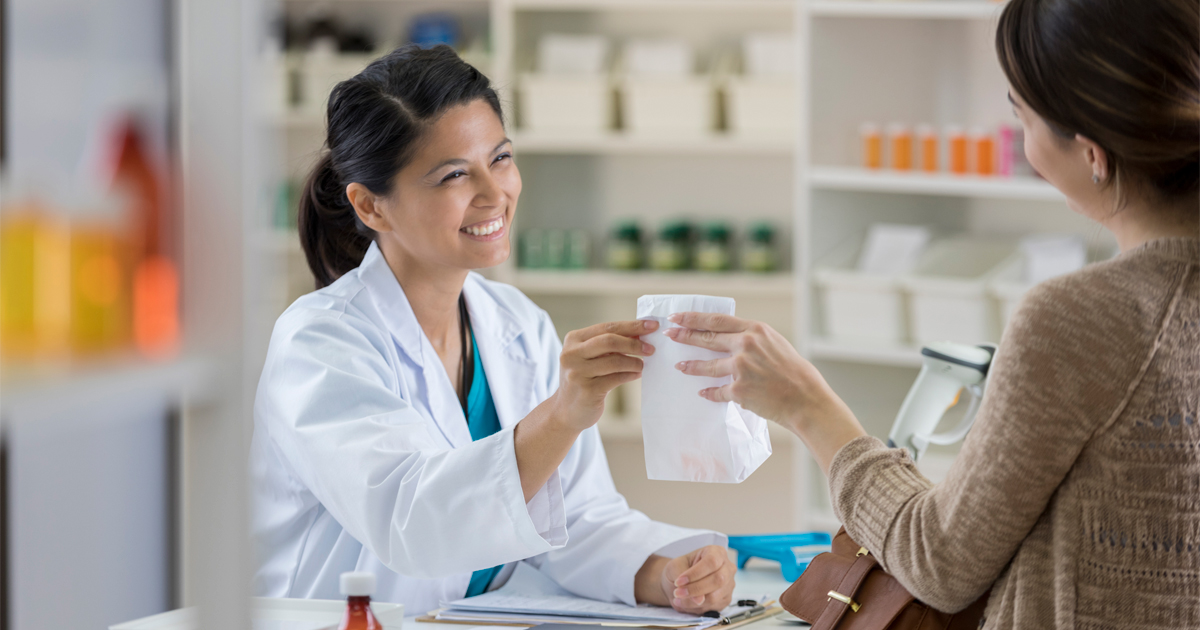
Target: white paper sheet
{"points": [[686, 437], [530, 592], [892, 249]]}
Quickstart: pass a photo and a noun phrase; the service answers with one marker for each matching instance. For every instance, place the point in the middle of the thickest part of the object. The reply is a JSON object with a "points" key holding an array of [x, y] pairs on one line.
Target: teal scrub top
{"points": [[482, 421]]}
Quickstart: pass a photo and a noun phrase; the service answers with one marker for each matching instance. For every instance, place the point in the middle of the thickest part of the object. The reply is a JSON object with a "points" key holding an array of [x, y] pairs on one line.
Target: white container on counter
{"points": [[858, 308], [671, 106], [320, 71], [565, 104], [761, 106], [948, 291]]}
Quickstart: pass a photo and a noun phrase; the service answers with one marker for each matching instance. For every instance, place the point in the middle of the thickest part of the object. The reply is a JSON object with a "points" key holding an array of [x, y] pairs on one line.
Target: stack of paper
{"points": [[530, 597]]}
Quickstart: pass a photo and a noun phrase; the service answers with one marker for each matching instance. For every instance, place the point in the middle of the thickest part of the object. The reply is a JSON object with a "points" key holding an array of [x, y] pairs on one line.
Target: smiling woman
{"points": [[419, 422]]}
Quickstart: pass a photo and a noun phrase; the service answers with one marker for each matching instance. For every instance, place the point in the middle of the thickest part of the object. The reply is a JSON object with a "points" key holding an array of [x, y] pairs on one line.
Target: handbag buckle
{"points": [[854, 606], [862, 551]]}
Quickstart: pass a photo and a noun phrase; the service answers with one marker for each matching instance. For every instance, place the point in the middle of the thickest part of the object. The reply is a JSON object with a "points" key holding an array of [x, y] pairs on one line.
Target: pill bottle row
{"points": [[955, 150]]}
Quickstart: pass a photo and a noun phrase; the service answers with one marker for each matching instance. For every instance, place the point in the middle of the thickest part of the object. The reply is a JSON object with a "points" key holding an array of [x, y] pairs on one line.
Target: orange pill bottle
{"points": [[902, 147]]}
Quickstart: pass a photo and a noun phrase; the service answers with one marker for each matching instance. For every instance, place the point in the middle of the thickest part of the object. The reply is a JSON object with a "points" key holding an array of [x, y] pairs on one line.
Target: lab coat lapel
{"points": [[399, 319], [510, 371]]}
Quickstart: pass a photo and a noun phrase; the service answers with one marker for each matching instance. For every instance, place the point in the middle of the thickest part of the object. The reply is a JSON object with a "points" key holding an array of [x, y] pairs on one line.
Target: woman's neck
{"points": [[432, 292], [1142, 221]]}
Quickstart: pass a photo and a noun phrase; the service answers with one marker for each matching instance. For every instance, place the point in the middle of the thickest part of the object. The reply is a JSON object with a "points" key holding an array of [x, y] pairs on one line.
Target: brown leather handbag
{"points": [[847, 590]]}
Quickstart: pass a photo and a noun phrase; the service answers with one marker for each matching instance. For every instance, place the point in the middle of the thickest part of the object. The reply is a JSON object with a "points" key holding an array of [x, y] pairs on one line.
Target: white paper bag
{"points": [[688, 438]]}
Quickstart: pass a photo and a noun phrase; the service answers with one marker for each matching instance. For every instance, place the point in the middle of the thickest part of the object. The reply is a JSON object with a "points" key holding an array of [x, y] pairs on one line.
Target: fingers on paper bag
{"points": [[722, 394], [612, 343], [721, 342], [629, 328], [613, 364], [716, 322], [715, 368]]}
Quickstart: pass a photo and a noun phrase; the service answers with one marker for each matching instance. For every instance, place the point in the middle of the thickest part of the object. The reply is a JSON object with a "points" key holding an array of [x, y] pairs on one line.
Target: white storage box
{"points": [[858, 307], [276, 613], [1008, 286], [566, 104], [321, 71], [668, 106], [761, 107], [948, 291]]}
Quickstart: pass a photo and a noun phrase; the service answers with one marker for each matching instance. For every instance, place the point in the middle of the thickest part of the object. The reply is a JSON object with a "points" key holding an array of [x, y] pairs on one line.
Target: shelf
{"points": [[860, 179], [634, 283], [47, 390], [936, 9], [879, 354], [653, 5], [618, 143]]}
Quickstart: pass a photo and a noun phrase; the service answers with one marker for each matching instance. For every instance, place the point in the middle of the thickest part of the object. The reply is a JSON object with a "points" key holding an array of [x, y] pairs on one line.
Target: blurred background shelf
{"points": [[634, 283], [943, 9], [624, 144], [973, 186], [36, 391], [651, 5], [900, 356]]}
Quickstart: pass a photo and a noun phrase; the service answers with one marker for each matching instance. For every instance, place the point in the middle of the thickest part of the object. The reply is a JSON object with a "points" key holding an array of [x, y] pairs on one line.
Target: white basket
{"points": [[948, 291], [759, 107], [566, 104], [668, 106], [1008, 287], [858, 308], [320, 73]]}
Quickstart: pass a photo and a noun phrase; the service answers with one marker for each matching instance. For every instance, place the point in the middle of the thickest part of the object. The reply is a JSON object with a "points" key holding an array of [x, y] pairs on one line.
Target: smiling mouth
{"points": [[484, 229]]}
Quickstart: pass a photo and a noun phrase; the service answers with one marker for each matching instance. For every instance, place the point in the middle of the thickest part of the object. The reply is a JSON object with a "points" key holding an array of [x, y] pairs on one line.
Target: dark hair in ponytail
{"points": [[1124, 73], [374, 122]]}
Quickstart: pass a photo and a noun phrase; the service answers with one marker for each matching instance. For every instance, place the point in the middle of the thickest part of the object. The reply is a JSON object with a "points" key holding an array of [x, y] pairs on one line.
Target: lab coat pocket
{"points": [[686, 437]]}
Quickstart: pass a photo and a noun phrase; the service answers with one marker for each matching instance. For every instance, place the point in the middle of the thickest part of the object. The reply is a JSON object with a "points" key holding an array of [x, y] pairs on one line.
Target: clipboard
{"points": [[770, 611]]}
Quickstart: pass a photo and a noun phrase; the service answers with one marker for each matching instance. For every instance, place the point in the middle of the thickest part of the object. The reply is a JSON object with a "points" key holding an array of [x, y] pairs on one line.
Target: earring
{"points": [[1095, 179]]}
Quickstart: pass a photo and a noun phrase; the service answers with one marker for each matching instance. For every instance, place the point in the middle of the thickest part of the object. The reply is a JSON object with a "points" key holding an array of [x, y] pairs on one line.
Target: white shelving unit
{"points": [[966, 186], [625, 144], [633, 284], [935, 10]]}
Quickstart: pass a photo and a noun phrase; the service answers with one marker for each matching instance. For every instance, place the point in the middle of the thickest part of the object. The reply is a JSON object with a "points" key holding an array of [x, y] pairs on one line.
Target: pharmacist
{"points": [[417, 421]]}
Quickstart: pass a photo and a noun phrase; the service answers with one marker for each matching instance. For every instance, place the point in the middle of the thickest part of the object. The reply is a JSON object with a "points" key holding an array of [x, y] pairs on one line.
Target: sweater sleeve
{"points": [[1060, 374]]}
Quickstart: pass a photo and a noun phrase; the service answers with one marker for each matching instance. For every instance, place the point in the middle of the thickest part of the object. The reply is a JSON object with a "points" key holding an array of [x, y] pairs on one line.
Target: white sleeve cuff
{"points": [[548, 511], [542, 522]]}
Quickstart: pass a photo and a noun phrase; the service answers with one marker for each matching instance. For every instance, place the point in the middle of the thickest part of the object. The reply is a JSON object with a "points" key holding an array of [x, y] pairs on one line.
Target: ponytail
{"points": [[375, 121], [334, 239]]}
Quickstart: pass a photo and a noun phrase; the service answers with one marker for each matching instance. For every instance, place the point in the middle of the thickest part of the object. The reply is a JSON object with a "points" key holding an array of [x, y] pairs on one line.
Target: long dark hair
{"points": [[374, 122], [1124, 73]]}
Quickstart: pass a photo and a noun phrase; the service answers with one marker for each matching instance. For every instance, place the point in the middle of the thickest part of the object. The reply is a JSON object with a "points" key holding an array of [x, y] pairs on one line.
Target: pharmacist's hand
{"points": [[699, 581], [594, 361]]}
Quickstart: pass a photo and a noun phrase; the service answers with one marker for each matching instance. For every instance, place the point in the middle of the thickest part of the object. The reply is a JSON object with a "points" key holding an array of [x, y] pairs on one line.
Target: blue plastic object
{"points": [[793, 552]]}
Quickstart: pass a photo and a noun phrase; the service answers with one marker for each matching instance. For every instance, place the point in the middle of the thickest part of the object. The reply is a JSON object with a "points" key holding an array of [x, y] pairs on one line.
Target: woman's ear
{"points": [[368, 207], [1097, 158]]}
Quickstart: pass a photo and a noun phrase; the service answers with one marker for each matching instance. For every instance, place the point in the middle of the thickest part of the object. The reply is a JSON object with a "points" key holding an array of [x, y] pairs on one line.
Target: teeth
{"points": [[485, 229]]}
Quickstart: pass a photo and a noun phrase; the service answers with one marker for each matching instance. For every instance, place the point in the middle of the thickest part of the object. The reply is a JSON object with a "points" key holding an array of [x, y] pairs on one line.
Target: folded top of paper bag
{"points": [[667, 305]]}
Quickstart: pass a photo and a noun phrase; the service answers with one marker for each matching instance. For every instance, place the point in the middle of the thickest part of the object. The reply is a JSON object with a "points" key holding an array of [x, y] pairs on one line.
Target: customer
{"points": [[1076, 499]]}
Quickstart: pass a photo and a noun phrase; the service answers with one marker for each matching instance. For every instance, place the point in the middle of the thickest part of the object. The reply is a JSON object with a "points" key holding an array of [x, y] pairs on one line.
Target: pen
{"points": [[745, 614]]}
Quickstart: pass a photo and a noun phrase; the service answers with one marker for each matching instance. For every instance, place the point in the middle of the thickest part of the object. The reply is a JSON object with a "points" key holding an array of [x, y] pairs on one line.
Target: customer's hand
{"points": [[593, 362], [769, 378], [693, 583]]}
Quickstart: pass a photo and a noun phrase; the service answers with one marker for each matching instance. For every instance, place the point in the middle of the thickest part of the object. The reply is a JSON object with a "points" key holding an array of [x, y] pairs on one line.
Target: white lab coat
{"points": [[362, 461]]}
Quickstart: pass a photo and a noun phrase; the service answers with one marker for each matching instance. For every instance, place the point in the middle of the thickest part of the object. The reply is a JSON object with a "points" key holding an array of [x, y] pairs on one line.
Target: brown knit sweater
{"points": [[1076, 497]]}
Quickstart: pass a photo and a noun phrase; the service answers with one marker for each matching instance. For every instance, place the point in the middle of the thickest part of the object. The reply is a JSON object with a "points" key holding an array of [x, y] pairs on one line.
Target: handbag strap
{"points": [[842, 600]]}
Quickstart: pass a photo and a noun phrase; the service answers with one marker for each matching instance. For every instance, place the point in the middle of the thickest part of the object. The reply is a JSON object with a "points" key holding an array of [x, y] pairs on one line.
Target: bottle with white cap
{"points": [[358, 588]]}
